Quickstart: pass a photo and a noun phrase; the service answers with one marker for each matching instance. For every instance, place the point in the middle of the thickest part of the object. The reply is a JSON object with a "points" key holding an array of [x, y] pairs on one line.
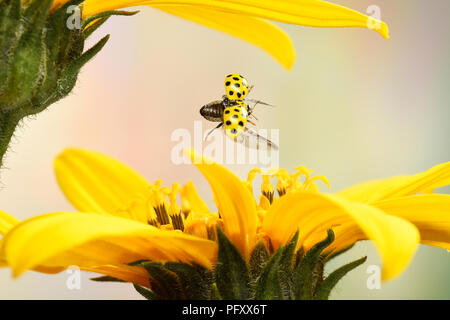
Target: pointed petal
{"points": [[126, 273], [253, 30], [394, 187], [314, 13], [429, 213], [7, 221], [86, 240], [396, 239], [93, 182], [236, 204], [195, 202]]}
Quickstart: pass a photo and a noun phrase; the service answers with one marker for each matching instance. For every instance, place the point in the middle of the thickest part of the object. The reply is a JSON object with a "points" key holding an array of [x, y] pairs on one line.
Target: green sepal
{"points": [[268, 284], [196, 281], [94, 26], [275, 281], [178, 280], [9, 15], [41, 56], [26, 57], [303, 275], [106, 279], [324, 289], [258, 259], [146, 293], [286, 269], [164, 283], [107, 14], [231, 273], [215, 294]]}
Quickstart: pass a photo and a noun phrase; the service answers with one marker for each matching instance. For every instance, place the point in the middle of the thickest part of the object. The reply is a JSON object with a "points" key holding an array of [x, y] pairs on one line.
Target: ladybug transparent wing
{"points": [[255, 101], [253, 140]]}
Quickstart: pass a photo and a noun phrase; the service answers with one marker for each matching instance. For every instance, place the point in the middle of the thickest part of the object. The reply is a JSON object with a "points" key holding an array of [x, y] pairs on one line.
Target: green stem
{"points": [[8, 123]]}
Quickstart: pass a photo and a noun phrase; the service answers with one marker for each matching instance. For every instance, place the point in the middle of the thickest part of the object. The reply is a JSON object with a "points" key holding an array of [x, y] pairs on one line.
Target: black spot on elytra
{"points": [[239, 94], [227, 83], [235, 116], [228, 123], [229, 75], [241, 123], [243, 92], [237, 110], [237, 85], [231, 93], [233, 131], [227, 111], [236, 78]]}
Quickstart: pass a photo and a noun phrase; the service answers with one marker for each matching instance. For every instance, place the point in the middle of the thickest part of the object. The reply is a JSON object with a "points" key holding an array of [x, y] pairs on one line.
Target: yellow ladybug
{"points": [[235, 118], [236, 86], [232, 113]]}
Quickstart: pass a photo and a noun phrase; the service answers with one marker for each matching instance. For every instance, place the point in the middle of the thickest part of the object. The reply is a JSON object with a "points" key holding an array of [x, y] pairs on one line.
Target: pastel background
{"points": [[355, 107]]}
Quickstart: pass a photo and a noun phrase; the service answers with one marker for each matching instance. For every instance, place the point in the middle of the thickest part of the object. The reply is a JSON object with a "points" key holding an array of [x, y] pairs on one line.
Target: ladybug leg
{"points": [[250, 89], [212, 130], [249, 121]]}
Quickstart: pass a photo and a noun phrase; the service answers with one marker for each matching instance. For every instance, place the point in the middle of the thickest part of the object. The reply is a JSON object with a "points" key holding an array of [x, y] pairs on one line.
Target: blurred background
{"points": [[355, 107]]}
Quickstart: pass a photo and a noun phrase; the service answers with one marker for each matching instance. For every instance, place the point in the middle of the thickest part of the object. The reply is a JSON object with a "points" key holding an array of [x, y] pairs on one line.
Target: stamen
{"points": [[283, 178], [267, 188], [161, 214], [177, 221]]}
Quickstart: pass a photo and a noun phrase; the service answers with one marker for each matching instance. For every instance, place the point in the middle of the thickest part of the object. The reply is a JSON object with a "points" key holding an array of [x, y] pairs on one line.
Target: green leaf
{"points": [[303, 277], [146, 293], [164, 283], [231, 273], [324, 289]]}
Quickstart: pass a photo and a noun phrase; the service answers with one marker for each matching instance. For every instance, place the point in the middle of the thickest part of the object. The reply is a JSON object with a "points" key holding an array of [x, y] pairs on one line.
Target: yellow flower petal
{"points": [[429, 213], [394, 187], [396, 239], [7, 221], [314, 13], [88, 240], [236, 204], [93, 182], [256, 31], [194, 201], [136, 275]]}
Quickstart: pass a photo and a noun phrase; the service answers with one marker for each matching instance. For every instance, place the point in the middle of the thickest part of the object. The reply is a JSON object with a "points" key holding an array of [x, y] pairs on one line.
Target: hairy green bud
{"points": [[41, 54]]}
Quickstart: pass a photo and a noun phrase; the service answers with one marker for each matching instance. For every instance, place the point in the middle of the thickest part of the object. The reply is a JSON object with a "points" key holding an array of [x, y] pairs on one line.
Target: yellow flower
{"points": [[123, 218], [248, 19]]}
